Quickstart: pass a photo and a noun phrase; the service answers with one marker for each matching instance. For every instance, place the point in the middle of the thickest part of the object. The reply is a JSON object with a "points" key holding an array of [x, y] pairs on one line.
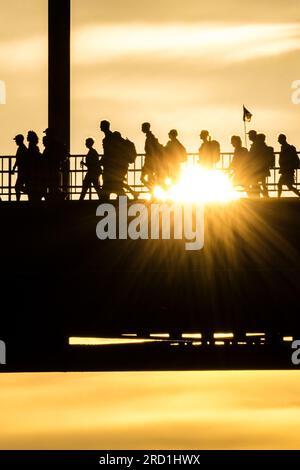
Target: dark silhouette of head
{"points": [[173, 134], [261, 138], [105, 126], [146, 126], [204, 135], [45, 140], [282, 139], [19, 139], [50, 133], [252, 135], [32, 138], [89, 142], [236, 141]]}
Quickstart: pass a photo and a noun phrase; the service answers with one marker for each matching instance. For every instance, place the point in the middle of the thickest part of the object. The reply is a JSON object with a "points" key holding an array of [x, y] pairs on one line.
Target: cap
{"points": [[19, 136]]}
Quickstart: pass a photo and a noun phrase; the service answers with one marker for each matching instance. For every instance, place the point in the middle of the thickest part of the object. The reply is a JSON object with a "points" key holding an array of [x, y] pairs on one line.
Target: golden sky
{"points": [[165, 410], [188, 65]]}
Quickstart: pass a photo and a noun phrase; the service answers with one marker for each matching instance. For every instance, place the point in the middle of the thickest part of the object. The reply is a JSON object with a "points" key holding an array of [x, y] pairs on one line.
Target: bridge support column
{"points": [[59, 62]]}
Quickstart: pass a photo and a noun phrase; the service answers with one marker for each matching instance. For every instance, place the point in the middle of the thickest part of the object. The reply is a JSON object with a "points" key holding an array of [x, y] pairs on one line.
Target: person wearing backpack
{"points": [[126, 154], [254, 165], [130, 151], [21, 165], [152, 170], [209, 152], [239, 164], [265, 161], [288, 162]]}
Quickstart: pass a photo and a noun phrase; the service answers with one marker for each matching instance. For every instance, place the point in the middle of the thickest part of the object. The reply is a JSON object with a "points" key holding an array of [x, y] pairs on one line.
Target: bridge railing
{"points": [[76, 175]]}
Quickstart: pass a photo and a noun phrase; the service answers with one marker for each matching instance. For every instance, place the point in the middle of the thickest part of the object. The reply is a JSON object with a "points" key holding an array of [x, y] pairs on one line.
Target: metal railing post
{"points": [[9, 179]]}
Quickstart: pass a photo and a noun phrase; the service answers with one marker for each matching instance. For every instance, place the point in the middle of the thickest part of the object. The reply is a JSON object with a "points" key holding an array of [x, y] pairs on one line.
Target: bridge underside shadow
{"points": [[59, 281]]}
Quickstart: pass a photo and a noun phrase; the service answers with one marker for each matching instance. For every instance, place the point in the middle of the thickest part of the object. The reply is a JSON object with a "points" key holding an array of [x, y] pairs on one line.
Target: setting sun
{"points": [[199, 185]]}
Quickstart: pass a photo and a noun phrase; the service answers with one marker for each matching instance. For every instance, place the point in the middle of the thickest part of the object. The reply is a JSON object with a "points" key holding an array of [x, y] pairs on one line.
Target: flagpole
{"points": [[245, 130], [246, 118]]}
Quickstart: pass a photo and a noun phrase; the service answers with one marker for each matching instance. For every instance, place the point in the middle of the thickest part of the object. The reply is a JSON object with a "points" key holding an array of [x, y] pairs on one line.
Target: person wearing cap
{"points": [[175, 155], [20, 165], [92, 164]]}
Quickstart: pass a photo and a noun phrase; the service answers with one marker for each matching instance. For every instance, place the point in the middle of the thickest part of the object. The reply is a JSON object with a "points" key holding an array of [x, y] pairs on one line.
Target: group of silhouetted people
{"points": [[39, 174], [118, 153], [252, 168], [161, 162]]}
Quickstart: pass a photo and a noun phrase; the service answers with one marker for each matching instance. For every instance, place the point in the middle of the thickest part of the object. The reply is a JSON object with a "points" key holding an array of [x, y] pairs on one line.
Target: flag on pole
{"points": [[246, 115]]}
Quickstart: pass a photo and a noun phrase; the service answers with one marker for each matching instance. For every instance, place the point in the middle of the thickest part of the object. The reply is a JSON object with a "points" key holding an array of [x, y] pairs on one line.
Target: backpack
{"points": [[160, 150], [295, 160], [271, 156], [215, 151], [130, 149]]}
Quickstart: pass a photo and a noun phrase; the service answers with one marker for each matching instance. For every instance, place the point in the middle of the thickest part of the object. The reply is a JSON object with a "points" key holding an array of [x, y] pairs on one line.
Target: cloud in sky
{"points": [[165, 11], [216, 44]]}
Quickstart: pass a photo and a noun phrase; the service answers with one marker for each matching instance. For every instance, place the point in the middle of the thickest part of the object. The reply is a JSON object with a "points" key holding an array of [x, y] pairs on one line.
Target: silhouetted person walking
{"points": [[254, 164], [265, 161], [288, 162], [175, 155], [34, 175], [93, 170], [209, 151], [239, 164], [154, 156], [125, 153], [22, 165], [109, 159]]}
